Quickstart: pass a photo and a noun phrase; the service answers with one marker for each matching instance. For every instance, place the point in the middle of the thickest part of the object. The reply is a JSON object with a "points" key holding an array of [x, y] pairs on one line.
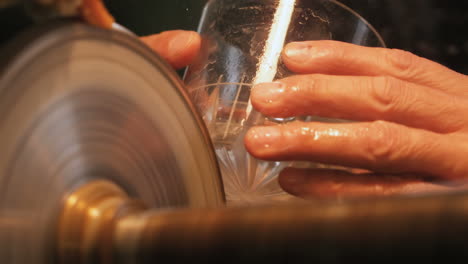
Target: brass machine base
{"points": [[101, 224]]}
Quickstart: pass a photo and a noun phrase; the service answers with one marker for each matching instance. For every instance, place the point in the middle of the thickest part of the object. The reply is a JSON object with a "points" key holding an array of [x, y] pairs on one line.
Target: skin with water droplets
{"points": [[407, 124]]}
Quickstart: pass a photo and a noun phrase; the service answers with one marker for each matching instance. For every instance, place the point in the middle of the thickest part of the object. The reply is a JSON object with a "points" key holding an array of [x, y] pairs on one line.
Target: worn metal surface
{"points": [[100, 224], [424, 230]]}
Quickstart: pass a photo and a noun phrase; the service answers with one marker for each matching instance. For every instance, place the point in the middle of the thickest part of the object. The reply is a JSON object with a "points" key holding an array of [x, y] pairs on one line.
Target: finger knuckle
{"points": [[401, 60], [384, 143], [390, 93]]}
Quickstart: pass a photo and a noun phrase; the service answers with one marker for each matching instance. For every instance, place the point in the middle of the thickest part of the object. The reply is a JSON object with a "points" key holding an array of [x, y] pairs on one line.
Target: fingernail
{"points": [[267, 93], [293, 183], [181, 42], [301, 51], [297, 51]]}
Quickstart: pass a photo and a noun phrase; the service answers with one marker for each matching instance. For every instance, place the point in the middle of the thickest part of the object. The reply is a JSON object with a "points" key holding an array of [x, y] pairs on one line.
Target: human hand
{"points": [[411, 121], [178, 47]]}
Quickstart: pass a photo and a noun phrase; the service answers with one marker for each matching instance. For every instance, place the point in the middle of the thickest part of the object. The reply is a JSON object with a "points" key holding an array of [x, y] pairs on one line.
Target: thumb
{"points": [[178, 47]]}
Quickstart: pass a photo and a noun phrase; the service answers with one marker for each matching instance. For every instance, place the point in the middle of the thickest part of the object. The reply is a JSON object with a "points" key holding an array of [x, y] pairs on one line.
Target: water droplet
{"points": [[267, 146], [317, 135], [334, 132]]}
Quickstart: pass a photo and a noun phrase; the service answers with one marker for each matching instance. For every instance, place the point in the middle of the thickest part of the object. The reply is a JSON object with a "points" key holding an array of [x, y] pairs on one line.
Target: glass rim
{"points": [[371, 27], [336, 2]]}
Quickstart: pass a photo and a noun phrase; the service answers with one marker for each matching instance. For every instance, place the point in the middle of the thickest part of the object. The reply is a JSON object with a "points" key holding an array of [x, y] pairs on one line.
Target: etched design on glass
{"points": [[225, 112]]}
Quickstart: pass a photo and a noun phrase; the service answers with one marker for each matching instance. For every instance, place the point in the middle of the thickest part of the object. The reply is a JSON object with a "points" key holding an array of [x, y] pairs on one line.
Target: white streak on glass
{"points": [[268, 64]]}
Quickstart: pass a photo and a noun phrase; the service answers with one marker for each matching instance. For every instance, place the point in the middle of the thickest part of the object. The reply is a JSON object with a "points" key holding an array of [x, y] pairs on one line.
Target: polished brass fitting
{"points": [[88, 219]]}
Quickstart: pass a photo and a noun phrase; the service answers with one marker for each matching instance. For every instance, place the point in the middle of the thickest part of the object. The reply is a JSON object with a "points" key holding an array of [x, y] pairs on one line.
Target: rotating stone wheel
{"points": [[103, 160], [80, 104]]}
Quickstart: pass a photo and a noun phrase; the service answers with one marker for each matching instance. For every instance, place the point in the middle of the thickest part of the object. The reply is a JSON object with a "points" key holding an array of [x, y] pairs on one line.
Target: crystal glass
{"points": [[242, 42]]}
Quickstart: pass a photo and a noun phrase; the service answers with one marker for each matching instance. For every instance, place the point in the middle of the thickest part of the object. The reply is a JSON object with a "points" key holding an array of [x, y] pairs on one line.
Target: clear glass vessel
{"points": [[242, 42]]}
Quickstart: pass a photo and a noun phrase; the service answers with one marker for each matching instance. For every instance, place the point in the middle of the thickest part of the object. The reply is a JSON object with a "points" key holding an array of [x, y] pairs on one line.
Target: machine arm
{"points": [[433, 228]]}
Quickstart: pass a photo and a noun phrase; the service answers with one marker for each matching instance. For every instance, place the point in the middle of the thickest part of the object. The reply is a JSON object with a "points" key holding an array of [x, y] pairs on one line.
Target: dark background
{"points": [[435, 29]]}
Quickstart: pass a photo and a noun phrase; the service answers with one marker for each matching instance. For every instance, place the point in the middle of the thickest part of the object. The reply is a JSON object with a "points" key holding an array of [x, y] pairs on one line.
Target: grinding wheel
{"points": [[79, 104]]}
